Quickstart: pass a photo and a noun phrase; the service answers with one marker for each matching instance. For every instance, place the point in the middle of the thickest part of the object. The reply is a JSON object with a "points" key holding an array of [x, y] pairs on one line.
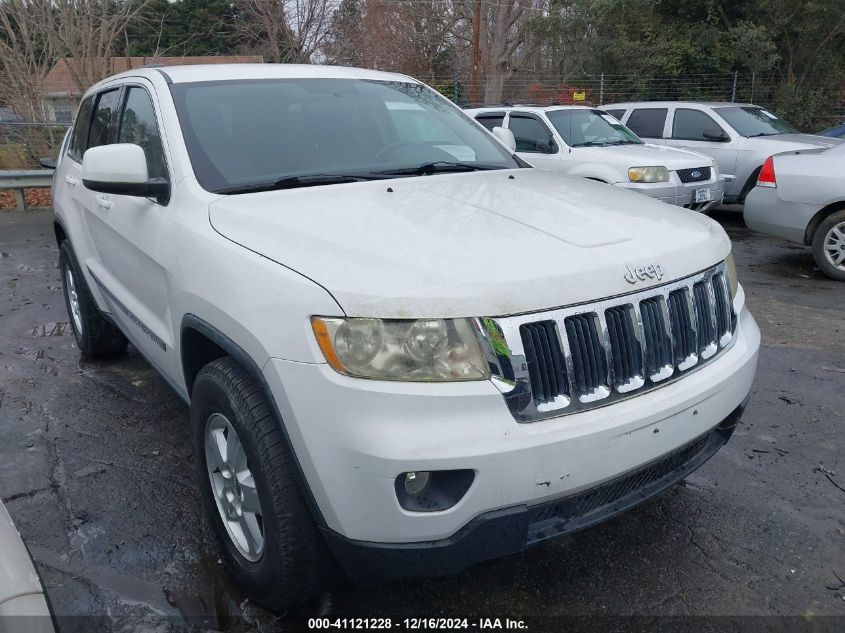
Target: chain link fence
{"points": [[820, 104], [814, 108]]}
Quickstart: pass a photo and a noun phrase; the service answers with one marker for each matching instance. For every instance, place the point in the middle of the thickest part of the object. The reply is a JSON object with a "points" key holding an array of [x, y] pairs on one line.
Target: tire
{"points": [[95, 336], [828, 240], [292, 562]]}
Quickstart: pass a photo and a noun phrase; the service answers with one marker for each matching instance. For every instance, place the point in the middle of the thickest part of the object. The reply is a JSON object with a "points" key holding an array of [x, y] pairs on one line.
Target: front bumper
{"points": [[353, 437], [514, 529], [680, 194]]}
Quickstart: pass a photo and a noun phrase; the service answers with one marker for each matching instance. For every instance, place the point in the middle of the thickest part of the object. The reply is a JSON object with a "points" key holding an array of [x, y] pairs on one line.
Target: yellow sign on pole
{"points": [[579, 96]]}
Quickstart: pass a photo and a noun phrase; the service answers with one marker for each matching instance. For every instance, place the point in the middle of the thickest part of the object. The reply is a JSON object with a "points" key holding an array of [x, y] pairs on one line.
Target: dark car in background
{"points": [[837, 131]]}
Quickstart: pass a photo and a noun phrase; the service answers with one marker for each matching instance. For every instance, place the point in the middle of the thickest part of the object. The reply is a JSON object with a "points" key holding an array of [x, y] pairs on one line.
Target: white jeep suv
{"points": [[587, 142], [404, 351]]}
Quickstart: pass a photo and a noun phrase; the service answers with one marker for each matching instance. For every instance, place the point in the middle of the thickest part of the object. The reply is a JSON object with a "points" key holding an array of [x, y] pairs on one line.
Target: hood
{"points": [[797, 141], [645, 155], [470, 244]]}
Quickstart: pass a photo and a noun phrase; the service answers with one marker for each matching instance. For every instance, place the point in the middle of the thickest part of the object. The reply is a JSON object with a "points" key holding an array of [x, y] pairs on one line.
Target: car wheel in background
{"points": [[95, 336], [829, 245], [251, 495]]}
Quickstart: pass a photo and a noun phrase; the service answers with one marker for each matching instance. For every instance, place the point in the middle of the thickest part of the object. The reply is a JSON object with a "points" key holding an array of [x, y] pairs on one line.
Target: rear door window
{"points": [[616, 114], [78, 142], [695, 125], [648, 122], [101, 124]]}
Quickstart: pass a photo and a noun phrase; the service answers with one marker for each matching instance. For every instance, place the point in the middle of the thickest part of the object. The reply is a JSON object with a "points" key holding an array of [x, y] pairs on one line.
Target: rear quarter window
{"points": [[648, 122]]}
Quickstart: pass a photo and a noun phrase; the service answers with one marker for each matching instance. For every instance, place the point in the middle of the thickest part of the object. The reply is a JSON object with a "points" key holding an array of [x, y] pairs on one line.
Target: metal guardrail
{"points": [[18, 180]]}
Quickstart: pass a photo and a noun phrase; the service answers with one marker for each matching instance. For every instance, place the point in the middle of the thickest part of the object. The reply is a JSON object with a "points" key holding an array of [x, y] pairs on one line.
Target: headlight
{"points": [[715, 170], [730, 269], [648, 174], [422, 350]]}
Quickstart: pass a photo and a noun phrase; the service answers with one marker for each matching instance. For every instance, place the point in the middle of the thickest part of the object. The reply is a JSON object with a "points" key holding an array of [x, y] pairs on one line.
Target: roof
{"points": [[531, 108], [59, 82], [708, 104], [227, 72]]}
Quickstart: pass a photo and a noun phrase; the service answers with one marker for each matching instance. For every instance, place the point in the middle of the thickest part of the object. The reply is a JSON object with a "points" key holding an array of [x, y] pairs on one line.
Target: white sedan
{"points": [[800, 196], [21, 593]]}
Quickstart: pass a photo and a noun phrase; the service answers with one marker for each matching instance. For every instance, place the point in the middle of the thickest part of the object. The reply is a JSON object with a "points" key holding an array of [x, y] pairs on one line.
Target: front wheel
{"points": [[829, 246], [95, 336], [257, 511]]}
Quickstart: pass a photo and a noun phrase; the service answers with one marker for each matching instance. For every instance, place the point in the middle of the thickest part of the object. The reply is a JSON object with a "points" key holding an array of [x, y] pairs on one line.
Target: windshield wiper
{"points": [[591, 144], [624, 143], [763, 134], [437, 167], [293, 182]]}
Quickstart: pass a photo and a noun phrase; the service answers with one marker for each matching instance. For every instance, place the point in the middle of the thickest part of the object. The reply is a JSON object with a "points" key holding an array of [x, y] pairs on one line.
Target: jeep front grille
{"points": [[697, 174], [571, 359]]}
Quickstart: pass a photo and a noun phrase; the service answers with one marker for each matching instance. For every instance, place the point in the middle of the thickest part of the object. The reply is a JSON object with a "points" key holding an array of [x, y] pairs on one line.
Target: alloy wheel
{"points": [[834, 245], [73, 300], [233, 487]]}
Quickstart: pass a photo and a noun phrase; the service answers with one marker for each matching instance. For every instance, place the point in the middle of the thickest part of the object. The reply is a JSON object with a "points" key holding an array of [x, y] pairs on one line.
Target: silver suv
{"points": [[739, 136]]}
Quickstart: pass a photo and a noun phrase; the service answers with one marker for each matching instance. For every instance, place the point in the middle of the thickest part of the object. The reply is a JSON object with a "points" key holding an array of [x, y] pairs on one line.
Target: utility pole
{"points": [[476, 34]]}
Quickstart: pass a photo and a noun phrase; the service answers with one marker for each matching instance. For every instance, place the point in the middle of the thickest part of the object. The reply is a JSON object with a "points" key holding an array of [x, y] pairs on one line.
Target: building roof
{"points": [[60, 80]]}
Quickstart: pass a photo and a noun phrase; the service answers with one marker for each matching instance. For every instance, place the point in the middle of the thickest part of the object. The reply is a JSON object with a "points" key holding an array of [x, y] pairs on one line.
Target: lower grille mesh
{"points": [[551, 519]]}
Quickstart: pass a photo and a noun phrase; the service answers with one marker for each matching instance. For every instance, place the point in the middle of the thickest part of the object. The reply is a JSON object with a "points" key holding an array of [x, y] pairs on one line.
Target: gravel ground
{"points": [[95, 471]]}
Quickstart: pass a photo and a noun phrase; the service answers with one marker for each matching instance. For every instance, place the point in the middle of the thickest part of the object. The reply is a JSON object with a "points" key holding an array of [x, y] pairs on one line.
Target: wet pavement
{"points": [[95, 469]]}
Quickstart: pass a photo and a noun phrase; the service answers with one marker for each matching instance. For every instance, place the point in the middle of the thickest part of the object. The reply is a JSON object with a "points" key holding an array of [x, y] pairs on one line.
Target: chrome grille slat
{"points": [[570, 359], [683, 331], [589, 358], [657, 344], [545, 361]]}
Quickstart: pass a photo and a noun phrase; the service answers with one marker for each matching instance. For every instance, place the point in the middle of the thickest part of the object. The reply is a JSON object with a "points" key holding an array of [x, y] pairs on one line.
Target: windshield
{"points": [[753, 121], [581, 128], [248, 135]]}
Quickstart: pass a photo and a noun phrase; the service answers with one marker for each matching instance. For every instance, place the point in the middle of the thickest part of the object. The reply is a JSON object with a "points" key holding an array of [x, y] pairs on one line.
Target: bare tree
{"points": [[27, 52], [88, 31], [291, 30], [504, 40]]}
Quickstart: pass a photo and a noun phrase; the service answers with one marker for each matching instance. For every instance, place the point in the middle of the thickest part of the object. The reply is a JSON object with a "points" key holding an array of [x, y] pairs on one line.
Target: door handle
{"points": [[71, 180], [104, 201]]}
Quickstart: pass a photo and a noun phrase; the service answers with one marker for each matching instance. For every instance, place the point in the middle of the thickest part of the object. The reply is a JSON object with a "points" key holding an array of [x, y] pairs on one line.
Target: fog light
{"points": [[415, 483], [432, 491]]}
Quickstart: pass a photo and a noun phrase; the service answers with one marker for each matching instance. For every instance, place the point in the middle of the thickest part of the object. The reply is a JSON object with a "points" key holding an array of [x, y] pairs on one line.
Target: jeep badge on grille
{"points": [[641, 273]]}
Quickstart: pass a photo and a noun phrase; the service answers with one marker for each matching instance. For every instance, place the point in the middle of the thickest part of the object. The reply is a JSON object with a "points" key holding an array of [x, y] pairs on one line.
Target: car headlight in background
{"points": [[420, 350], [730, 270], [648, 174]]}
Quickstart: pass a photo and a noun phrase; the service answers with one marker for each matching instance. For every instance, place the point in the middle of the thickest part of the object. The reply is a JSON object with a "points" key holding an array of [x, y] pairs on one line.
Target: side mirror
{"points": [[716, 134], [122, 169], [506, 137], [47, 163]]}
